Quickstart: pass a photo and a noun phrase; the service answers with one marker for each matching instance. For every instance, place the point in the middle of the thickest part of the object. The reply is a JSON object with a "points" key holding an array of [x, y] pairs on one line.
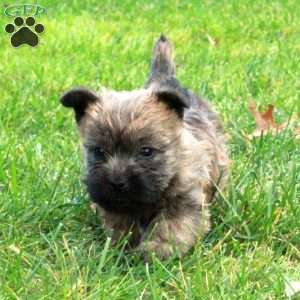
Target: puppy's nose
{"points": [[117, 184]]}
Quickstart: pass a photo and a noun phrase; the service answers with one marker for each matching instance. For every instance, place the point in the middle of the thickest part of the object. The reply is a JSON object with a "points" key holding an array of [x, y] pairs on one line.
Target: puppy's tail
{"points": [[162, 65]]}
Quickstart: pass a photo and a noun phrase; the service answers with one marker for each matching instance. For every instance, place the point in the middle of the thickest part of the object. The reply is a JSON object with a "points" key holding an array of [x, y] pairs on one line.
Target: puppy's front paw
{"points": [[149, 249]]}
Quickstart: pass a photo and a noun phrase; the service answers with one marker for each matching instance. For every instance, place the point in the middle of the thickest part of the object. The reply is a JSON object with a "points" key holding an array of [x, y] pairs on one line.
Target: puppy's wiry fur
{"points": [[153, 158]]}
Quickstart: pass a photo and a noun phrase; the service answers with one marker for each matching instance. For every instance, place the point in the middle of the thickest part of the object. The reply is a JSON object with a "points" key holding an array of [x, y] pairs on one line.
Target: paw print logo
{"points": [[24, 33]]}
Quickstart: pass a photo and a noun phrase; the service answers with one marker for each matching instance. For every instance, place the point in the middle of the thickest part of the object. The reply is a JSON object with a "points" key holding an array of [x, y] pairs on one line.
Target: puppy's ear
{"points": [[173, 96], [79, 99]]}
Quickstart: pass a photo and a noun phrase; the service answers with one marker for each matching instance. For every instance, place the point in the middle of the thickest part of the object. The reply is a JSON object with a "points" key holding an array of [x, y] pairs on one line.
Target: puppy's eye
{"points": [[99, 152], [146, 151]]}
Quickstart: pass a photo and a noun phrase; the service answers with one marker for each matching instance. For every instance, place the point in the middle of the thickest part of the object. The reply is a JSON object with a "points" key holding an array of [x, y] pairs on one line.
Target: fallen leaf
{"points": [[14, 249], [292, 288], [213, 41], [297, 132], [265, 123]]}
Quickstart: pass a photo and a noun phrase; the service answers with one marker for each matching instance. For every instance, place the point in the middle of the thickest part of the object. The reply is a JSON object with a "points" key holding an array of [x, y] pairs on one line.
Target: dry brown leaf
{"points": [[265, 122]]}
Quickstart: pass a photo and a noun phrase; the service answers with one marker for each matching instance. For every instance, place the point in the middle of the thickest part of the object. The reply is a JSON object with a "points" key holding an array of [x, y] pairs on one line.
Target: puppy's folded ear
{"points": [[79, 99], [173, 95]]}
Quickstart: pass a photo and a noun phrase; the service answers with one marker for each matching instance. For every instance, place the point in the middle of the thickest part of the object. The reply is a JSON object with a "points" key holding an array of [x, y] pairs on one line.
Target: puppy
{"points": [[154, 157]]}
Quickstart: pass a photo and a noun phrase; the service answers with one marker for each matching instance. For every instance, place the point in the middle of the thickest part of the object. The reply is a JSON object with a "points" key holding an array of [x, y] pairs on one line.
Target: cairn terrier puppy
{"points": [[154, 157]]}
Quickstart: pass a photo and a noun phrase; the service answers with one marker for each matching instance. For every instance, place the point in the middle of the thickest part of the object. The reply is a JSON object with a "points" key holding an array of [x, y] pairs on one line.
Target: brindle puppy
{"points": [[153, 158]]}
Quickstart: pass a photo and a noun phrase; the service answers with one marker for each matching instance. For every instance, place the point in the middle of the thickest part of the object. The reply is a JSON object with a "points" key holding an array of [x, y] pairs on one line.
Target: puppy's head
{"points": [[131, 142]]}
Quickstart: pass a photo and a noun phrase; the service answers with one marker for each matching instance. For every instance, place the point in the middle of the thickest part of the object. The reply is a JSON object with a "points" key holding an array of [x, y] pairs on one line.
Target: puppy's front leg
{"points": [[168, 235], [117, 226]]}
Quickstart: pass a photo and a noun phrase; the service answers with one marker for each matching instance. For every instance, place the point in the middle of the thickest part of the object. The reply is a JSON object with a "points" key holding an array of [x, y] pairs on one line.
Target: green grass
{"points": [[51, 244]]}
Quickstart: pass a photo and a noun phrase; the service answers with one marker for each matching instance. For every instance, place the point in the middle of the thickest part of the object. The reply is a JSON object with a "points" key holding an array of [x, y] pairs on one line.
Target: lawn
{"points": [[51, 243]]}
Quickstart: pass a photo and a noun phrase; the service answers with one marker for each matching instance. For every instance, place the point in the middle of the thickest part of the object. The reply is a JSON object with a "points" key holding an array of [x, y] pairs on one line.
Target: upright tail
{"points": [[162, 65]]}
